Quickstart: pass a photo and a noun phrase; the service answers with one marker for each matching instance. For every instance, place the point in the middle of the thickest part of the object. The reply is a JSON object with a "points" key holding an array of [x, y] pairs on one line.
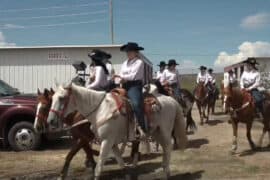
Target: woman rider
{"points": [[100, 82], [250, 81], [132, 77]]}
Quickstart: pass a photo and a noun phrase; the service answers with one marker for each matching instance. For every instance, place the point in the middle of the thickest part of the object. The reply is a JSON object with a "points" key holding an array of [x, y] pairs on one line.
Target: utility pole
{"points": [[111, 21]]}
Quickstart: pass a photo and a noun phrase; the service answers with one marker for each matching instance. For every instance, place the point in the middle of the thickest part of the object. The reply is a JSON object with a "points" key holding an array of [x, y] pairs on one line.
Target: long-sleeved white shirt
{"points": [[110, 70], [159, 74], [250, 79], [171, 77], [211, 78], [100, 79], [132, 70], [202, 78]]}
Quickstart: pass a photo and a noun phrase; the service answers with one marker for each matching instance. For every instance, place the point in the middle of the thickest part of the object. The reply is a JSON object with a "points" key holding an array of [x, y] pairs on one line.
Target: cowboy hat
{"points": [[252, 61], [210, 70], [202, 68], [162, 63], [131, 46], [99, 55], [172, 62]]}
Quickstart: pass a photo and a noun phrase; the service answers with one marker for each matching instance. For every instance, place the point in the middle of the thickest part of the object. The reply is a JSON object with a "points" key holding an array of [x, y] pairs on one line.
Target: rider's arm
{"points": [[98, 78], [206, 79], [257, 82], [136, 69], [198, 78]]}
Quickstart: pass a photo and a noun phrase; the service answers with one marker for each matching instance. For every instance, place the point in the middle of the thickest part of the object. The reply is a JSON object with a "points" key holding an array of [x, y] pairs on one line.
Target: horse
{"points": [[242, 109], [111, 126], [81, 134], [203, 100], [186, 101], [222, 96]]}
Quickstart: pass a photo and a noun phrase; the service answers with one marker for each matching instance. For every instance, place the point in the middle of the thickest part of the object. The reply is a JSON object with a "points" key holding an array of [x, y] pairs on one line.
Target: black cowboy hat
{"points": [[172, 62], [162, 63], [202, 68], [210, 70], [252, 61], [131, 46], [99, 55]]}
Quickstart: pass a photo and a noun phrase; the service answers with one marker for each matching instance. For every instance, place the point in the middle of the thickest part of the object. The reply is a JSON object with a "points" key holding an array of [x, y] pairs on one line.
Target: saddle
{"points": [[151, 104]]}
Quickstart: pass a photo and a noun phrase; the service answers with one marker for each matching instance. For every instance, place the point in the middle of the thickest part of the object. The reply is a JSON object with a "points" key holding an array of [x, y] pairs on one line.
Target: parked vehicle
{"points": [[17, 114]]}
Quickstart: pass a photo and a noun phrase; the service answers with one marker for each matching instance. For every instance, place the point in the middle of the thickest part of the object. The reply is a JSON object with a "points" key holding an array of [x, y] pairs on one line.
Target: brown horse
{"points": [[204, 100], [242, 109], [81, 134]]}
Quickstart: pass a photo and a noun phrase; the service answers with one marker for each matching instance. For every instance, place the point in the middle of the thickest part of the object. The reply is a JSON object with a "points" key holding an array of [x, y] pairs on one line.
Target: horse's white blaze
{"points": [[98, 107], [36, 118]]}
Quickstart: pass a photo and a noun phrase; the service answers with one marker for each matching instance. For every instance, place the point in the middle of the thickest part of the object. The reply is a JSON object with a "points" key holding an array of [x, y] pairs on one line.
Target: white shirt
{"points": [[132, 70], [171, 77], [100, 79], [251, 79], [202, 78], [232, 78], [159, 74], [110, 70], [211, 78]]}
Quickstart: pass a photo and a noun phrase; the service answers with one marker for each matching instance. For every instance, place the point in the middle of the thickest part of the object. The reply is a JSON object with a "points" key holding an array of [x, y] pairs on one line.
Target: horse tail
{"points": [[190, 122], [179, 129]]}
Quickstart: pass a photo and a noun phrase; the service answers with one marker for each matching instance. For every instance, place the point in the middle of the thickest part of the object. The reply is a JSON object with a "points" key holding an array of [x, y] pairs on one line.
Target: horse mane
{"points": [[188, 94]]}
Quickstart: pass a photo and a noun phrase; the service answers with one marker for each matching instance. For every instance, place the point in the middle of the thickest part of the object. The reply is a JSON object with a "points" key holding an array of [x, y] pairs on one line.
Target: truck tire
{"points": [[22, 137]]}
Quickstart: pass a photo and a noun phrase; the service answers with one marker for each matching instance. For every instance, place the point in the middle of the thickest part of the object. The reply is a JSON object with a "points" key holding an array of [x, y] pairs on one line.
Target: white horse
{"points": [[111, 126]]}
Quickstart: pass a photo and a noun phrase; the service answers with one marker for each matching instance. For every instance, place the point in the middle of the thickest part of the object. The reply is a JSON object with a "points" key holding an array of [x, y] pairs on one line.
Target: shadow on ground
{"points": [[214, 122], [197, 143]]}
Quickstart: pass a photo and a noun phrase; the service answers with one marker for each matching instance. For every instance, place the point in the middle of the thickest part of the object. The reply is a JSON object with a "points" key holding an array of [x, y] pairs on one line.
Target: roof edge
{"points": [[62, 46]]}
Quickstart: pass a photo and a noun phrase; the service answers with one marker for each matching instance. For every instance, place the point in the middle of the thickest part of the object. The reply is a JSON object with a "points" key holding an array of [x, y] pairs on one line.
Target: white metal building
{"points": [[29, 68]]}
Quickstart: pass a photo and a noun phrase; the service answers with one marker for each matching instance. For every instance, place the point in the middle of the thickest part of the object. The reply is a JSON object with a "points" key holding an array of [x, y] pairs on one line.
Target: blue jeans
{"points": [[136, 97], [258, 99]]}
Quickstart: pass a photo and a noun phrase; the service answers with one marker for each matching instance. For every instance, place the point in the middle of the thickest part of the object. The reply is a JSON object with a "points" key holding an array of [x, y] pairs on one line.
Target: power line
{"points": [[51, 25], [54, 16], [54, 7]]}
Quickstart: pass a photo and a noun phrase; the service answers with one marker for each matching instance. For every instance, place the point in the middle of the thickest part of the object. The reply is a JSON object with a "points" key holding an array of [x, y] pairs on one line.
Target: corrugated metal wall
{"points": [[32, 68]]}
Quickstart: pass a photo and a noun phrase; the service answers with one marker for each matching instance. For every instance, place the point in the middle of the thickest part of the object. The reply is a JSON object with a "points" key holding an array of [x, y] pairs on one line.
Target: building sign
{"points": [[57, 56]]}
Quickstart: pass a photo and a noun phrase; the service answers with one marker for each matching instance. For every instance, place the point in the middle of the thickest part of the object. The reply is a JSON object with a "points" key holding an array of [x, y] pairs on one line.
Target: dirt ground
{"points": [[207, 157]]}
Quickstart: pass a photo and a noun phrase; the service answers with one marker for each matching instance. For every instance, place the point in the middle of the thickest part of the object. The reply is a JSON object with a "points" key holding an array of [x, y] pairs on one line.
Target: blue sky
{"points": [[193, 32]]}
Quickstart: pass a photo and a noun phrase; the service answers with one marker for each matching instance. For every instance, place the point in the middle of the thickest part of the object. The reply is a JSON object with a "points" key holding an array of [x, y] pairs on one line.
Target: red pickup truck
{"points": [[17, 115]]}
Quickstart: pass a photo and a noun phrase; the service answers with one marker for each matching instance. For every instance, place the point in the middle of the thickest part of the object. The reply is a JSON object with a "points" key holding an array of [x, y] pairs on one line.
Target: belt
{"points": [[129, 84]]}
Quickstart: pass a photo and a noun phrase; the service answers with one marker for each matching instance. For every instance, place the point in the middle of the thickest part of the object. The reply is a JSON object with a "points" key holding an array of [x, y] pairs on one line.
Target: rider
{"points": [[211, 80], [101, 72], [162, 67], [170, 77], [110, 68], [202, 76], [250, 81], [132, 78], [232, 77]]}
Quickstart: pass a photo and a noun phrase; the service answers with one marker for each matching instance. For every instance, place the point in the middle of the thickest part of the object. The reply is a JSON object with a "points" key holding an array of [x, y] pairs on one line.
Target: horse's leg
{"points": [[89, 162], [123, 148], [251, 143], [135, 155], [105, 148], [200, 112], [208, 111], [234, 142], [261, 138], [118, 156], [73, 151]]}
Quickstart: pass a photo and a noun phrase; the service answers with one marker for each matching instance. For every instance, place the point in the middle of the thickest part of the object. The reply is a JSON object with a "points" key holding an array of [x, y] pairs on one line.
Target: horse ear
{"points": [[52, 91], [38, 92], [46, 92]]}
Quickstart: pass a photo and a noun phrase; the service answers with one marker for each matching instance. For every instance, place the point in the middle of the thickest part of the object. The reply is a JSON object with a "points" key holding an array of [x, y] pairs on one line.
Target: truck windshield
{"points": [[6, 89]]}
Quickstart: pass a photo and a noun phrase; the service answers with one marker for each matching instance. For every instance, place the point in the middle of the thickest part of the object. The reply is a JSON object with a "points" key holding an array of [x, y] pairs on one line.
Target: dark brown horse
{"points": [[204, 100], [242, 109], [81, 134]]}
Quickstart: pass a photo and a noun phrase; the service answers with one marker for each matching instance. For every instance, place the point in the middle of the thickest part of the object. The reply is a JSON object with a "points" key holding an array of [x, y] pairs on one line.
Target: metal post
{"points": [[111, 21]]}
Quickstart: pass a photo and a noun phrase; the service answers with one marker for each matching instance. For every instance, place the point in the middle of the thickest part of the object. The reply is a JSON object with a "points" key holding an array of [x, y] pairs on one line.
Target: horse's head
{"points": [[61, 106], [201, 92], [43, 107]]}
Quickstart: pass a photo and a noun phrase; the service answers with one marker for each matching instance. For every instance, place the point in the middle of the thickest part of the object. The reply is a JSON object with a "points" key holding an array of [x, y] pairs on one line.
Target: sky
{"points": [[206, 32]]}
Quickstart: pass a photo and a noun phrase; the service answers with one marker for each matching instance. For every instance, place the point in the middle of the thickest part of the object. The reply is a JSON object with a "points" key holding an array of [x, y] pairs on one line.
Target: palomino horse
{"points": [[204, 100], [111, 126], [243, 110], [81, 134]]}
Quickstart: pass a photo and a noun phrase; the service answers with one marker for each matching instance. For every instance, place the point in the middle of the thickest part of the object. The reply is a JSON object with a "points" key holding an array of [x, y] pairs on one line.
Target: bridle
{"points": [[60, 113], [42, 118]]}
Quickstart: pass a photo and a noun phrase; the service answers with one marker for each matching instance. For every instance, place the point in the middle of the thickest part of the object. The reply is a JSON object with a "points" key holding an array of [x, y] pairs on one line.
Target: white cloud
{"points": [[3, 41], [256, 21], [246, 49]]}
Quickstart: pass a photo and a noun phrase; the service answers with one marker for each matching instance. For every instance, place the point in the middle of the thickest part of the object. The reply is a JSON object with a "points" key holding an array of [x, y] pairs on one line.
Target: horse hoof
{"points": [[232, 152], [201, 123]]}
